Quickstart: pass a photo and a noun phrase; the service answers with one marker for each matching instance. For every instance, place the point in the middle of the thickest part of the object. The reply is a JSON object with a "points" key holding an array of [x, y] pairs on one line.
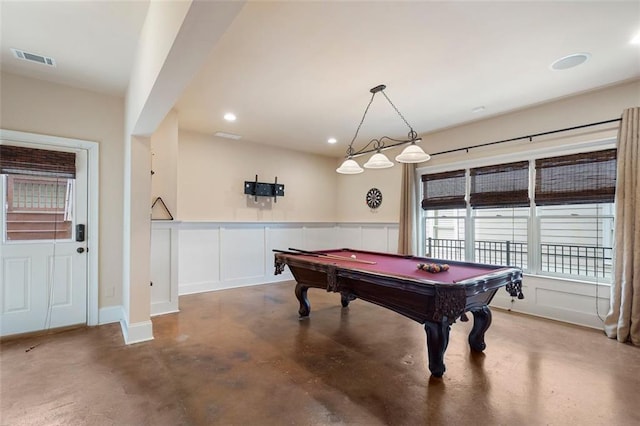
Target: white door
{"points": [[43, 260]]}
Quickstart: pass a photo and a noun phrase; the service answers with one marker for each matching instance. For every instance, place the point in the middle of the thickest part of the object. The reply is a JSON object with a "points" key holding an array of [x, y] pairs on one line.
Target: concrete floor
{"points": [[242, 357]]}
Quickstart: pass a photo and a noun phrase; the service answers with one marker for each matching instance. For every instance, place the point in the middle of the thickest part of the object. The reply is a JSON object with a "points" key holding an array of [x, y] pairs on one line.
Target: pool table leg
{"points": [[437, 341], [345, 298], [481, 323], [301, 295]]}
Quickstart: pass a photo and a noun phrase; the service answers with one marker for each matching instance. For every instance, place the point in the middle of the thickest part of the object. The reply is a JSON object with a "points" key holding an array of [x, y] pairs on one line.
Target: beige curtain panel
{"points": [[623, 320], [406, 239]]}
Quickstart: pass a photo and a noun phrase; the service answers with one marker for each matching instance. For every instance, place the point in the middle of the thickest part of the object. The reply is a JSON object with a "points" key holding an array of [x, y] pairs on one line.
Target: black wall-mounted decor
{"points": [[262, 189], [164, 206]]}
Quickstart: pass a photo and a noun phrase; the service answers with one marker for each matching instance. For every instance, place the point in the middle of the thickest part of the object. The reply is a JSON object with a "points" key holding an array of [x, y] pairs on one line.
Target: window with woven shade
{"points": [[576, 179], [574, 198], [502, 185], [444, 190], [19, 160], [569, 234], [445, 209]]}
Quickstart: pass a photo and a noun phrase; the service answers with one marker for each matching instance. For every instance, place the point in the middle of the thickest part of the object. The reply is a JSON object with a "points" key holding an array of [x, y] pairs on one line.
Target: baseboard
{"points": [[110, 314], [163, 309], [203, 287], [137, 332]]}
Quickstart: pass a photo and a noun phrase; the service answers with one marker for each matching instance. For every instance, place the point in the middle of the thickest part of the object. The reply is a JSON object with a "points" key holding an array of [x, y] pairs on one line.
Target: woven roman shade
{"points": [[30, 161], [444, 190], [503, 185], [576, 179]]}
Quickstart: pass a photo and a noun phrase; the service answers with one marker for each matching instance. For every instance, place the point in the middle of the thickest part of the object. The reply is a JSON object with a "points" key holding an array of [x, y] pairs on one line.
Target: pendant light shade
{"points": [[378, 161], [350, 167], [412, 154]]}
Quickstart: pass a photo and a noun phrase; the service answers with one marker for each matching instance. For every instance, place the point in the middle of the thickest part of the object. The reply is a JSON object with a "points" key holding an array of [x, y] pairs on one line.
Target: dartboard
{"points": [[374, 198]]}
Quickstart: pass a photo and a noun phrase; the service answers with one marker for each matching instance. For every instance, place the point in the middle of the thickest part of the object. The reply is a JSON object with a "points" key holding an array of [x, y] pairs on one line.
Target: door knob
{"points": [[80, 249]]}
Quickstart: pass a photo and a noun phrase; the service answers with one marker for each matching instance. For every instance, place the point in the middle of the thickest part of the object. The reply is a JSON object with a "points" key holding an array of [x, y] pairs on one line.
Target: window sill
{"points": [[577, 280]]}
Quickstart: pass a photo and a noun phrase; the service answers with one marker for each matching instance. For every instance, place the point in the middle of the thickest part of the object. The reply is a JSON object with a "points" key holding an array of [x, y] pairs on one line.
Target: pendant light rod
{"points": [[411, 154], [384, 147], [378, 144]]}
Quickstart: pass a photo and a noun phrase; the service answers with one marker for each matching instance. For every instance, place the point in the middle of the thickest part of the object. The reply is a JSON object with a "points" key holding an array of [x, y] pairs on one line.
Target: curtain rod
{"points": [[530, 137]]}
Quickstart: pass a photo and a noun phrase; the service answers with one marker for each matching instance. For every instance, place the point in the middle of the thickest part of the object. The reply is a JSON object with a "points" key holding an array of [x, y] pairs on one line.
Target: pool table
{"points": [[435, 299]]}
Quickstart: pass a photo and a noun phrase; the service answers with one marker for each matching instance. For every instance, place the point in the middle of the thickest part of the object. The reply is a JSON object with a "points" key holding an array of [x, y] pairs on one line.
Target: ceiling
{"points": [[92, 42], [296, 73]]}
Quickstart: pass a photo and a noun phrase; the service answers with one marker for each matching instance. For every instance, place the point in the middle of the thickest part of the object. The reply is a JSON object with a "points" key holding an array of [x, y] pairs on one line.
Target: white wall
{"points": [[212, 172], [36, 106], [164, 164], [352, 189]]}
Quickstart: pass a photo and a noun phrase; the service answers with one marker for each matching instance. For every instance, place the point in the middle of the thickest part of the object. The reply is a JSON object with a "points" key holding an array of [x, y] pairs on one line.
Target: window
{"points": [[39, 193], [38, 208], [574, 195], [444, 201], [501, 236], [576, 240], [499, 196], [565, 230], [445, 232]]}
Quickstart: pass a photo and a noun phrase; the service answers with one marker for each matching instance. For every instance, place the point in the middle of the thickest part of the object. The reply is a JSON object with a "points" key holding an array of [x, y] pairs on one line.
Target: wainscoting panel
{"points": [[375, 238], [318, 237], [349, 237], [242, 254], [164, 269], [564, 300], [198, 258], [393, 233]]}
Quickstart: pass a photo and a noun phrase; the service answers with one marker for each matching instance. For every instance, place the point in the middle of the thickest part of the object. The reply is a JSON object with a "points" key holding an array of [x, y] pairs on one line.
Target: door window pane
{"points": [[38, 208]]}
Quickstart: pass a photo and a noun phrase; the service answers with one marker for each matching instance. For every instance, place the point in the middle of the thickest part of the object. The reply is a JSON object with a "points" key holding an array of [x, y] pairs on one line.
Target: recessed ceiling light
{"points": [[570, 61], [332, 140], [636, 39], [230, 116]]}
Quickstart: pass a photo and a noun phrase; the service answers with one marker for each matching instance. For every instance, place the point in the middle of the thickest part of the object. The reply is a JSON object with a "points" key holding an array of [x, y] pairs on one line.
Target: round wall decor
{"points": [[374, 198]]}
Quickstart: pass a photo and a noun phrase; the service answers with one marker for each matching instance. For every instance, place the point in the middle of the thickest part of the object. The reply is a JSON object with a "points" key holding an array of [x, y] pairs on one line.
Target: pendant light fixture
{"points": [[411, 154]]}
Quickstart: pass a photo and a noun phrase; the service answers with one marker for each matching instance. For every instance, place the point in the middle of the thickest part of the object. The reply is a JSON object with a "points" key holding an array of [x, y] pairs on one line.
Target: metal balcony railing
{"points": [[576, 260], [588, 261], [445, 248], [490, 252], [508, 253]]}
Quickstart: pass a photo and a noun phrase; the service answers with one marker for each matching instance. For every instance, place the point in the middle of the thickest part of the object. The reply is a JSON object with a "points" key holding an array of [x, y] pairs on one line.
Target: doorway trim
{"points": [[93, 161]]}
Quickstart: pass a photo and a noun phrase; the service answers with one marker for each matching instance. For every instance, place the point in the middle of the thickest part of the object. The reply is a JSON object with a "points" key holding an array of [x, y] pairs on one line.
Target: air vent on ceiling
{"points": [[32, 57], [227, 135]]}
